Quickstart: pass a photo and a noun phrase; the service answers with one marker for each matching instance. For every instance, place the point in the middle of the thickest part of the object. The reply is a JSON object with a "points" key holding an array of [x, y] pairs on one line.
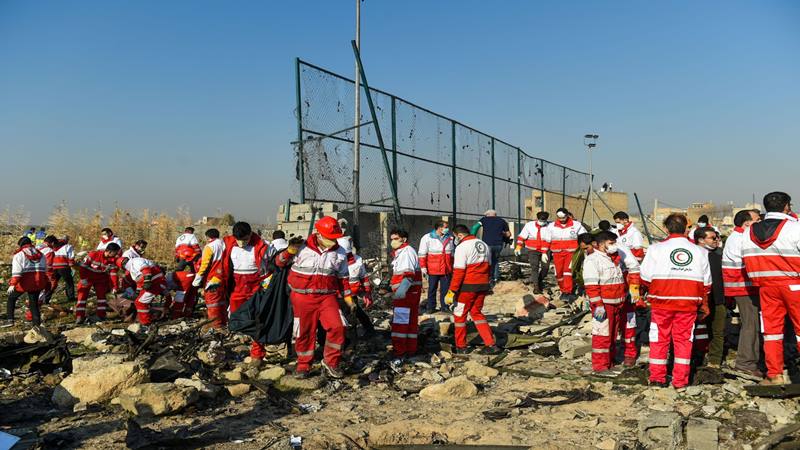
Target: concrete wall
{"points": [[605, 205]]}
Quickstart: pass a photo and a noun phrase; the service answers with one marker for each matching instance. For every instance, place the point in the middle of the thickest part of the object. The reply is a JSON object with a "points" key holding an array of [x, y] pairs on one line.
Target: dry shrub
{"points": [[83, 226]]}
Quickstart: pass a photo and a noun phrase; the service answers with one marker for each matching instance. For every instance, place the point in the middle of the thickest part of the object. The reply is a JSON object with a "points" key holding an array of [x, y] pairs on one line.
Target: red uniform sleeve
{"points": [[458, 279]]}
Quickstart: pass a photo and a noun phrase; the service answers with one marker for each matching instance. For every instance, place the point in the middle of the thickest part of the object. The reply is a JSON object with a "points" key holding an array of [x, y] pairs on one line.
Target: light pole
{"points": [[590, 141], [357, 137]]}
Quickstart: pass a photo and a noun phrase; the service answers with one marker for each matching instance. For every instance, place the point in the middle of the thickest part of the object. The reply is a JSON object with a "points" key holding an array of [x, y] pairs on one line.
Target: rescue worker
{"points": [[677, 277], [436, 262], [563, 242], [278, 244], [63, 260], [586, 244], [28, 275], [709, 334], [136, 250], [187, 249], [610, 273], [48, 250], [740, 291], [318, 276], [360, 286], [106, 237], [535, 238], [468, 289], [210, 276], [628, 235], [185, 293], [770, 255], [406, 285], [149, 281], [94, 270], [244, 267]]}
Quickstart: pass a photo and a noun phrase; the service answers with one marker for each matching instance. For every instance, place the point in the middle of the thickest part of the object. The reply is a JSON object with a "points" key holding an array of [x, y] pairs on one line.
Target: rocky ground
{"points": [[112, 385]]}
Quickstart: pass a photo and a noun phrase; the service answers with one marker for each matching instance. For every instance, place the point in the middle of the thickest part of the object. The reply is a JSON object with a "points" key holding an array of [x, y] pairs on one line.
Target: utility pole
{"points": [[357, 137], [590, 141]]}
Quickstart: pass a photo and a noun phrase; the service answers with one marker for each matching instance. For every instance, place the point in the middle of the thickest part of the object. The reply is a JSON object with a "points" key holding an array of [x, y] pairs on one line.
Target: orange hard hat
{"points": [[329, 228]]}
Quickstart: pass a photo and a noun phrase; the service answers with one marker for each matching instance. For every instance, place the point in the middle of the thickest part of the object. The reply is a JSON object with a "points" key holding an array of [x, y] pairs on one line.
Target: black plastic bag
{"points": [[267, 317]]}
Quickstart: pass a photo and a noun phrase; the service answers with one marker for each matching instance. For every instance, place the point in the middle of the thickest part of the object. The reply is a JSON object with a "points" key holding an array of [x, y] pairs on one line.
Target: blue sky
{"points": [[163, 104]]}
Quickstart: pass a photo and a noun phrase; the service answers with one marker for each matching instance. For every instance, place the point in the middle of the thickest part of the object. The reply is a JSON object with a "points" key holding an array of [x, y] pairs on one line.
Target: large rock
{"points": [[206, 390], [78, 335], [290, 383], [702, 434], [238, 390], [157, 399], [457, 388], [478, 371], [100, 379], [661, 430], [272, 374], [37, 335], [572, 347]]}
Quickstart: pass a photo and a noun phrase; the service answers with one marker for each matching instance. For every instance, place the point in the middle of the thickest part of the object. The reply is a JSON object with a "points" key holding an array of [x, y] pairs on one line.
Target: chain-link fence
{"points": [[440, 166]]}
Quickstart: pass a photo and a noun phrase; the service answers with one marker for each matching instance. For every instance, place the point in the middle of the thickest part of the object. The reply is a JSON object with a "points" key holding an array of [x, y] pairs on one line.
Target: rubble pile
{"points": [[115, 385]]}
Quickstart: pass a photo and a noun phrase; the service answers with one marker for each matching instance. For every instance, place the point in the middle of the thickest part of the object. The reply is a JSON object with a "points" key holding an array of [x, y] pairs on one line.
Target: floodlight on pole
{"points": [[590, 141]]}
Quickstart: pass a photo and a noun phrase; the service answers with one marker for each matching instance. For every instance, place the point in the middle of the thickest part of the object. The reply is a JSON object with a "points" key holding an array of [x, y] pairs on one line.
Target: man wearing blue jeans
{"points": [[436, 262], [495, 235]]}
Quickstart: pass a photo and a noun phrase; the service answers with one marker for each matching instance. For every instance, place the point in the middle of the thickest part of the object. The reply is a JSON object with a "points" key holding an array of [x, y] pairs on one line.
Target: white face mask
{"points": [[542, 222], [445, 231], [611, 249], [620, 226], [709, 247], [701, 224]]}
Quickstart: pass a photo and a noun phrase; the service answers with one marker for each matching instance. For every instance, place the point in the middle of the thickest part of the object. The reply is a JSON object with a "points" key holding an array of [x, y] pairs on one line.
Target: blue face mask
{"points": [[445, 231]]}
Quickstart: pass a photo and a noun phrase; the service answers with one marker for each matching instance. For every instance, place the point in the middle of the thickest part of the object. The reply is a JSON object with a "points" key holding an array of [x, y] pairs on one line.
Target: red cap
{"points": [[328, 228]]}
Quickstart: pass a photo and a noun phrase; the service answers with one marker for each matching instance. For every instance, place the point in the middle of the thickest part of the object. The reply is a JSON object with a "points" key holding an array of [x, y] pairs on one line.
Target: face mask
{"points": [[445, 231], [701, 224], [709, 247], [611, 249], [457, 240], [241, 243], [395, 244], [542, 222], [620, 226], [325, 242]]}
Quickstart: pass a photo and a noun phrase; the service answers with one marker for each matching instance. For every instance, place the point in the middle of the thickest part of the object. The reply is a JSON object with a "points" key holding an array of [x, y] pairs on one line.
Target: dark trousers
{"points": [[719, 321], [442, 282], [748, 353], [183, 264], [33, 305], [538, 270], [69, 284], [494, 266]]}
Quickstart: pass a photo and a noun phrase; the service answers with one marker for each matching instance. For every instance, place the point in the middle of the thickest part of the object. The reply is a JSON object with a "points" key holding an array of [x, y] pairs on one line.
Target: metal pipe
{"points": [[453, 159], [357, 136], [300, 155], [644, 219]]}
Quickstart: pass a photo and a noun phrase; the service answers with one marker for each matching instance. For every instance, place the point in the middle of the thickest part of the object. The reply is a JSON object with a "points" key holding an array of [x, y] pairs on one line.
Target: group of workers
{"points": [[687, 283]]}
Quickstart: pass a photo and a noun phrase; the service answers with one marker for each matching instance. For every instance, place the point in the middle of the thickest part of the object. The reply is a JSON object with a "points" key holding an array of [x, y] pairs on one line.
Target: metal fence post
{"points": [[453, 158], [564, 187], [519, 189], [541, 182], [394, 141], [300, 156], [493, 187]]}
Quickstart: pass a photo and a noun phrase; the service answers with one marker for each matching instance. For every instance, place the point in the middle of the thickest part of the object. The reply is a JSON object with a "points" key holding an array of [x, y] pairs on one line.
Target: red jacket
{"points": [[63, 256], [734, 276], [29, 270], [677, 275], [471, 266], [564, 237], [317, 272], [226, 267], [436, 254], [771, 254], [405, 264], [96, 263], [534, 237]]}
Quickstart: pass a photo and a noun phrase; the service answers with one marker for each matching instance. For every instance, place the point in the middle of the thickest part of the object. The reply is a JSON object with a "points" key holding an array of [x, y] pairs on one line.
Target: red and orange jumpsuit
{"points": [[563, 243], [471, 281], [94, 270], [406, 285], [211, 272]]}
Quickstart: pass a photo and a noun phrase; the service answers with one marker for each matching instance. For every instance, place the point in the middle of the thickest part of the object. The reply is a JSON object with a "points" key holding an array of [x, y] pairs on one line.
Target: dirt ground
{"points": [[524, 399]]}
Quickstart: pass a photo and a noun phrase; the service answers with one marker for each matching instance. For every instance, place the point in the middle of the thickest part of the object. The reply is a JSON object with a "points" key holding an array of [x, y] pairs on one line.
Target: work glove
{"points": [[449, 298], [198, 280], [424, 271], [367, 300], [517, 251], [110, 296], [351, 304], [545, 258], [599, 313], [640, 304], [10, 289]]}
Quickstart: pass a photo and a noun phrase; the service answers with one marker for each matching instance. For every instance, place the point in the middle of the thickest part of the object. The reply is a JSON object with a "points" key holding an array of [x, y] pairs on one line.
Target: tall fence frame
{"points": [[515, 182]]}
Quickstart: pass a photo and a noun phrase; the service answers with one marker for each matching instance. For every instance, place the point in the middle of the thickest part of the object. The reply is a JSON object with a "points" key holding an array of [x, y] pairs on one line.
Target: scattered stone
{"points": [[96, 380], [135, 327], [709, 410], [290, 383], [775, 410], [572, 347], [78, 335], [272, 374], [661, 430], [233, 375], [607, 444], [457, 388], [445, 328], [38, 334], [445, 355], [157, 399], [238, 390], [692, 391], [702, 434], [479, 371], [205, 390]]}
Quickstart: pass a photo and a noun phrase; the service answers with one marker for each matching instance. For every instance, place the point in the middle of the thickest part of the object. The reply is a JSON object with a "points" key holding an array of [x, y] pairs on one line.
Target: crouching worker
{"points": [[28, 275], [604, 275], [185, 293], [360, 286], [317, 277], [95, 269], [468, 289], [150, 282]]}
